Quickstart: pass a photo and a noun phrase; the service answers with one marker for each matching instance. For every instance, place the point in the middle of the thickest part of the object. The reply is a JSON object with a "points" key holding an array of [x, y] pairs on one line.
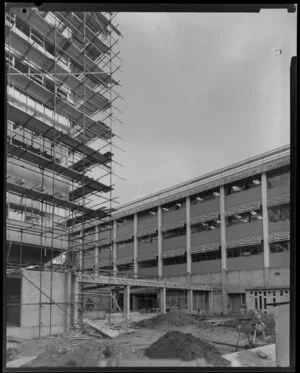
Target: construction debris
{"points": [[178, 345], [175, 318], [106, 331]]}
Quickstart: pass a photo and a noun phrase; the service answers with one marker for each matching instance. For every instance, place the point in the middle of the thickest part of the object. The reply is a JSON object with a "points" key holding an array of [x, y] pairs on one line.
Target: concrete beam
{"points": [[123, 281], [163, 300], [159, 242], [190, 300], [223, 250], [127, 302]]}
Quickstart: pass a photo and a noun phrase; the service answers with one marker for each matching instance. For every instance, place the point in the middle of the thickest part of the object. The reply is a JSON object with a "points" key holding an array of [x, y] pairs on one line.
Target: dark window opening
{"points": [[13, 301], [208, 255], [250, 250], [279, 247], [174, 233], [205, 196], [148, 263], [278, 177], [245, 217], [22, 26], [241, 185], [174, 260]]}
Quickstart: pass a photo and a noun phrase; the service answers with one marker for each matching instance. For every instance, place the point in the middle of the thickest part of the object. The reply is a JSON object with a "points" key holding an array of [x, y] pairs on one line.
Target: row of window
{"points": [[279, 247], [208, 255], [245, 217], [241, 185], [250, 250]]}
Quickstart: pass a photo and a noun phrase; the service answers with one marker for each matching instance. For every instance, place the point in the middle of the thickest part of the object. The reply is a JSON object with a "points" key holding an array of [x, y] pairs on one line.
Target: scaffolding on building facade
{"points": [[62, 93]]}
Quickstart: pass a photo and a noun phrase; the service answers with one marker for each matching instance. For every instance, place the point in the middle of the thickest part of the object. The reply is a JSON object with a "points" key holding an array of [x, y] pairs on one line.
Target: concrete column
{"points": [[188, 239], [190, 300], [211, 302], [75, 301], [127, 302], [135, 246], [114, 251], [97, 250], [159, 242], [223, 250], [163, 300], [264, 192]]}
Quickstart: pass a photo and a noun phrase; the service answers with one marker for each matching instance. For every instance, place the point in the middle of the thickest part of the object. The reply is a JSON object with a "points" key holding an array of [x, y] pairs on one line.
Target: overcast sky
{"points": [[201, 91]]}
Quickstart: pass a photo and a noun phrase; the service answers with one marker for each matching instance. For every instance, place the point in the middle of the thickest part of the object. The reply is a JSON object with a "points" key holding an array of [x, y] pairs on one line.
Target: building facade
{"points": [[229, 229], [59, 75]]}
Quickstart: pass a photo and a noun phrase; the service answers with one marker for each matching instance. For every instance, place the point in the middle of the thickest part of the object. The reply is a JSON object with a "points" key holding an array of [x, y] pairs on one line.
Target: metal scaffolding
{"points": [[61, 119]]}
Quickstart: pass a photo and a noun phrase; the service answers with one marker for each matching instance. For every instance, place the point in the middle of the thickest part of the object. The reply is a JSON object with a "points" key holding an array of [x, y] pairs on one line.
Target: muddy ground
{"points": [[86, 351]]}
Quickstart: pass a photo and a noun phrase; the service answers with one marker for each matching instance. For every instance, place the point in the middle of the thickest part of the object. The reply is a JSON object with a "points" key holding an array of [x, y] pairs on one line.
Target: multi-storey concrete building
{"points": [[229, 229], [60, 81]]}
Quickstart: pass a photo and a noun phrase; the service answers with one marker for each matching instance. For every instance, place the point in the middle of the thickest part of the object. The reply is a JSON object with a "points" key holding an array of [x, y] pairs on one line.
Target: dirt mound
{"points": [[175, 318], [178, 345]]}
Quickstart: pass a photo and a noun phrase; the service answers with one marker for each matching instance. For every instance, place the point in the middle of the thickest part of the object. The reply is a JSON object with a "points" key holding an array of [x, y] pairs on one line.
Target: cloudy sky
{"points": [[201, 91]]}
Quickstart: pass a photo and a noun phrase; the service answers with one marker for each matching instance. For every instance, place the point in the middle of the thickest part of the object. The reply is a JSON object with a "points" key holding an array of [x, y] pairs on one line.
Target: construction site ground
{"points": [[90, 348]]}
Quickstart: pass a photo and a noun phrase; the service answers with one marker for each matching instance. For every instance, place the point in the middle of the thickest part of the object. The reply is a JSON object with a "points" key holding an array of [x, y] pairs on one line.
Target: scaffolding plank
{"points": [[37, 91], [23, 119], [89, 186], [35, 195], [95, 214]]}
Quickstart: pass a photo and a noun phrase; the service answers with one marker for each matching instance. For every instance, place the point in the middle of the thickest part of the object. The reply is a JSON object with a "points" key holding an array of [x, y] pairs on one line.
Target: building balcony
{"points": [[244, 230], [205, 207], [174, 216], [205, 237], [150, 222], [174, 243], [245, 196]]}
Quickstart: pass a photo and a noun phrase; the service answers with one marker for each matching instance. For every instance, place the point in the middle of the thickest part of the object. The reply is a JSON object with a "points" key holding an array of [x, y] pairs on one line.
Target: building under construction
{"points": [[62, 92]]}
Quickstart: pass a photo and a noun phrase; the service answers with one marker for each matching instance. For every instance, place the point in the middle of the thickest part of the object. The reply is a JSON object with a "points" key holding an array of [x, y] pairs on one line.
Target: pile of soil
{"points": [[68, 353], [175, 318], [178, 345]]}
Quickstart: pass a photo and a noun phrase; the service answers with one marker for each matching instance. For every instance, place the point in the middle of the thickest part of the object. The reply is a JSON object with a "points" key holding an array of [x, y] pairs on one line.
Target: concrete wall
{"points": [[280, 226], [173, 270], [205, 207], [238, 281], [239, 198], [148, 272], [125, 251], [279, 259], [206, 236], [32, 314], [104, 254], [244, 230], [282, 189], [173, 216], [174, 243], [147, 247], [34, 239], [124, 230], [245, 262], [149, 222], [206, 266]]}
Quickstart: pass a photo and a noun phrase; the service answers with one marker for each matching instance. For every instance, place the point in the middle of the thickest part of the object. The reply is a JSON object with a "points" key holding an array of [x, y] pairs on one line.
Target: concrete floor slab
{"points": [[250, 358]]}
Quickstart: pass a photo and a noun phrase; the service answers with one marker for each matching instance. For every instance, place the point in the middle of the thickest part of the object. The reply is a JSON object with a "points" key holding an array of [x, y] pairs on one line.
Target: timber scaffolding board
{"points": [[33, 19], [35, 195], [95, 101], [41, 93], [32, 123], [111, 280], [90, 185]]}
